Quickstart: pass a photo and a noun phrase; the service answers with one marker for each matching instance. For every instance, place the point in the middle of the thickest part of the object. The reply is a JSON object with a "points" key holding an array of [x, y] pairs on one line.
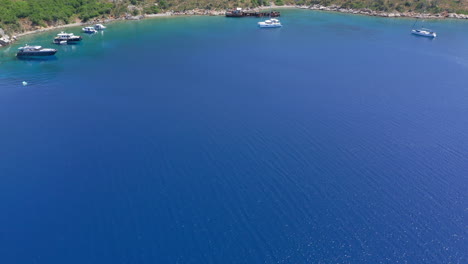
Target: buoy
{"points": [[25, 83]]}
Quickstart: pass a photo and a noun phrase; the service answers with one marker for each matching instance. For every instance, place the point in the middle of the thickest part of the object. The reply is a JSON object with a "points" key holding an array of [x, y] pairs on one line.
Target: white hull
{"points": [[99, 27], [424, 33], [270, 23], [269, 26], [89, 30]]}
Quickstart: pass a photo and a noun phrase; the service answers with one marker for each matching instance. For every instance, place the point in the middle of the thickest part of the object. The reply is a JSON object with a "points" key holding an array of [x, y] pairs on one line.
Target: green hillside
{"points": [[20, 15]]}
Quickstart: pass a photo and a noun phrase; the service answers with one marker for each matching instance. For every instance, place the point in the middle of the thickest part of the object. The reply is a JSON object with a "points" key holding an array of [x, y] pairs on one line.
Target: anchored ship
{"points": [[35, 51], [66, 37]]}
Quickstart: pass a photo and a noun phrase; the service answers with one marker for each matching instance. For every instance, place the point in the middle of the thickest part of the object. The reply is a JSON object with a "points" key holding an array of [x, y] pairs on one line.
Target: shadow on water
{"points": [[430, 39], [68, 44], [51, 58]]}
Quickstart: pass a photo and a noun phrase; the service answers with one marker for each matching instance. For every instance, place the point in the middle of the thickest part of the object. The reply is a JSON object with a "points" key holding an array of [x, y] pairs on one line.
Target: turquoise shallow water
{"points": [[335, 139]]}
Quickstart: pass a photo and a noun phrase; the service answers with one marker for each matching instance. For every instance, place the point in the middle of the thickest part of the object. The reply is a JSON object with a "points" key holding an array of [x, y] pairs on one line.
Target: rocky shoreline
{"points": [[368, 12], [6, 39]]}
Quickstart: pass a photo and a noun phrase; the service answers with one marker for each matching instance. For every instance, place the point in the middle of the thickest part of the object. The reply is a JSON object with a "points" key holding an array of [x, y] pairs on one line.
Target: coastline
{"points": [[204, 12], [394, 14], [110, 20]]}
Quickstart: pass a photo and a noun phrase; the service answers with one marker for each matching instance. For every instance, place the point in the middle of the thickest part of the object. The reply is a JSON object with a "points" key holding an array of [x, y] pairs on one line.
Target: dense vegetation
{"points": [[421, 6], [46, 12], [18, 15]]}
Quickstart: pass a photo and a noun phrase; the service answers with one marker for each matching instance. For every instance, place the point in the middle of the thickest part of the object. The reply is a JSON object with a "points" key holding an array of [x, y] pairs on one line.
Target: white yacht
{"points": [[424, 32], [270, 23], [99, 27], [89, 30], [67, 37]]}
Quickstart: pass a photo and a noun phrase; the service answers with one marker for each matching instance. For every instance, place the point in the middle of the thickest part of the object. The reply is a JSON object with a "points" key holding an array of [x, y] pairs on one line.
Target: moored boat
{"points": [[89, 30], [424, 32], [270, 23], [99, 27], [68, 37], [35, 51]]}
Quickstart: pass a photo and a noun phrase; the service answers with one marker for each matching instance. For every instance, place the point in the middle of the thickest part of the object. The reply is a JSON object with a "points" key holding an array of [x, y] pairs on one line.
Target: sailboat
{"points": [[425, 32]]}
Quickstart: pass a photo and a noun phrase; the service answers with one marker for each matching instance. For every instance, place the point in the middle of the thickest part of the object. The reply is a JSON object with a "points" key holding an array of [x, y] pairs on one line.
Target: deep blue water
{"points": [[335, 139]]}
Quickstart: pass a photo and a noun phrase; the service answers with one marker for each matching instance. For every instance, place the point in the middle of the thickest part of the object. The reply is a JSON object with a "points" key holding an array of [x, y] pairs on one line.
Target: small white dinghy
{"points": [[424, 32], [99, 27], [89, 30], [270, 23]]}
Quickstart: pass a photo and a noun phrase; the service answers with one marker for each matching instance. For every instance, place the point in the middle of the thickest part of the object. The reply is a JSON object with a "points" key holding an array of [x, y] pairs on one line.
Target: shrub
{"points": [[279, 2], [151, 9]]}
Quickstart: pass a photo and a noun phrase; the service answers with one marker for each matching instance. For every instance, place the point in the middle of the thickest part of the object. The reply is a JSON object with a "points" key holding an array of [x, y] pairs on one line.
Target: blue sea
{"points": [[335, 139]]}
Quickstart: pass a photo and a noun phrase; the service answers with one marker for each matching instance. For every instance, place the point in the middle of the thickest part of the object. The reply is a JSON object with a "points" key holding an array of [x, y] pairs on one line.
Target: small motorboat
{"points": [[89, 30], [34, 51], [69, 38], [270, 23], [424, 32], [99, 27]]}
